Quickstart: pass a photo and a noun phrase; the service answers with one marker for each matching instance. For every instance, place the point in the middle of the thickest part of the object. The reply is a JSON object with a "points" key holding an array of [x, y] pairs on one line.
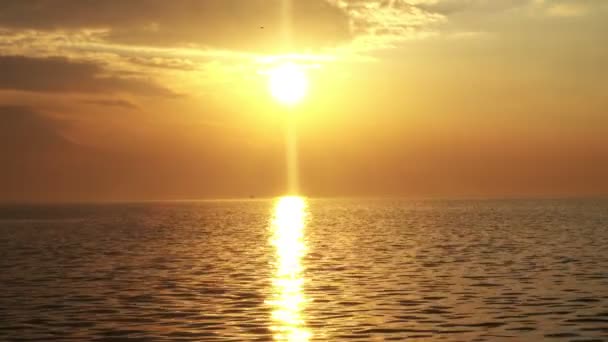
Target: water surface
{"points": [[321, 270]]}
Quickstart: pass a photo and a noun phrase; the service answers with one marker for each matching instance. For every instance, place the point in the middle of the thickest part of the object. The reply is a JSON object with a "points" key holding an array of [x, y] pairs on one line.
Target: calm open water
{"points": [[317, 270]]}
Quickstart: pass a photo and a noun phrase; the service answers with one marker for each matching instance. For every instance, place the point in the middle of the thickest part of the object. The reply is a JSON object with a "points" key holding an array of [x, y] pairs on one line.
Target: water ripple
{"points": [[373, 270]]}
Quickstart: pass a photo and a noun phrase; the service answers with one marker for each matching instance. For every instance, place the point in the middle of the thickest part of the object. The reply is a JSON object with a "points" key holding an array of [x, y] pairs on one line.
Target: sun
{"points": [[288, 83]]}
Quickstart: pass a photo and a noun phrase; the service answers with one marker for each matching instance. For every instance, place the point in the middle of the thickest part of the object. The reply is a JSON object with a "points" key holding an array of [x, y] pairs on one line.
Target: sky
{"points": [[155, 100]]}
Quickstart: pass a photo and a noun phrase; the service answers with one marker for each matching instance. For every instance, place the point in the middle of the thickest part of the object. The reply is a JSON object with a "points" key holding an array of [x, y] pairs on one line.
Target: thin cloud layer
{"points": [[448, 7], [59, 74], [260, 26], [112, 103], [230, 24], [257, 25]]}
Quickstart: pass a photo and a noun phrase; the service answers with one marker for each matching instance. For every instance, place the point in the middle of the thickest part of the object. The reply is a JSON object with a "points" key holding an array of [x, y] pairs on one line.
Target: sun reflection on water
{"points": [[288, 298]]}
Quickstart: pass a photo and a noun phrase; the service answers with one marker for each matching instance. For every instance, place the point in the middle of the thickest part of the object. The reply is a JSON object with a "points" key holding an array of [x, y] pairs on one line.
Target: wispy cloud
{"points": [[112, 103], [380, 24], [567, 9]]}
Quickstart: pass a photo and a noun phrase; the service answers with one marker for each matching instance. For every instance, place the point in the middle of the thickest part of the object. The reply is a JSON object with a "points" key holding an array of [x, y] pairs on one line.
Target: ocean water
{"points": [[306, 270]]}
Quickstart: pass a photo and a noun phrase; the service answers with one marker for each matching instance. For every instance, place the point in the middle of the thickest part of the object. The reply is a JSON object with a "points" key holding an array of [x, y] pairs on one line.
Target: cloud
{"points": [[448, 7], [258, 26], [252, 26], [59, 74], [572, 8], [175, 63], [231, 24], [378, 24], [112, 103], [567, 10]]}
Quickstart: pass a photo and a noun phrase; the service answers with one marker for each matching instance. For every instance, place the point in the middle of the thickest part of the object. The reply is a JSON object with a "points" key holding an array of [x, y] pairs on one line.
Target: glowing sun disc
{"points": [[288, 83]]}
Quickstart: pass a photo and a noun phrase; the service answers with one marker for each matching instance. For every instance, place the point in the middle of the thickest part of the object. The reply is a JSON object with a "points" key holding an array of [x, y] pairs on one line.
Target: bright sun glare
{"points": [[288, 83], [288, 300]]}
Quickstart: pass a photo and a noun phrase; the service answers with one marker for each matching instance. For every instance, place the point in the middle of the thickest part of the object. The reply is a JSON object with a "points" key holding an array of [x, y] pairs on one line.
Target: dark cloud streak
{"points": [[112, 103], [59, 74]]}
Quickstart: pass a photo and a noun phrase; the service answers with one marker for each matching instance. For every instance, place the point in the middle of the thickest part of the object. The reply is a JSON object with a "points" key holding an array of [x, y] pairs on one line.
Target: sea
{"points": [[297, 269]]}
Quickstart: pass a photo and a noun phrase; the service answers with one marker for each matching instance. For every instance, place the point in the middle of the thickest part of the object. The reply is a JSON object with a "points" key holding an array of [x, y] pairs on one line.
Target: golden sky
{"points": [[155, 99]]}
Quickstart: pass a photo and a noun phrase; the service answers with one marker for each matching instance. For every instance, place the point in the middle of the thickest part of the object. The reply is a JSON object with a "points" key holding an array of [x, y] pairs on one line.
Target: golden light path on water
{"points": [[288, 298]]}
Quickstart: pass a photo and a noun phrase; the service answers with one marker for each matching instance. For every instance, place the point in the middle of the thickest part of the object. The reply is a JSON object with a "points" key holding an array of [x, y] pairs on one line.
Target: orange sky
{"points": [[154, 99]]}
